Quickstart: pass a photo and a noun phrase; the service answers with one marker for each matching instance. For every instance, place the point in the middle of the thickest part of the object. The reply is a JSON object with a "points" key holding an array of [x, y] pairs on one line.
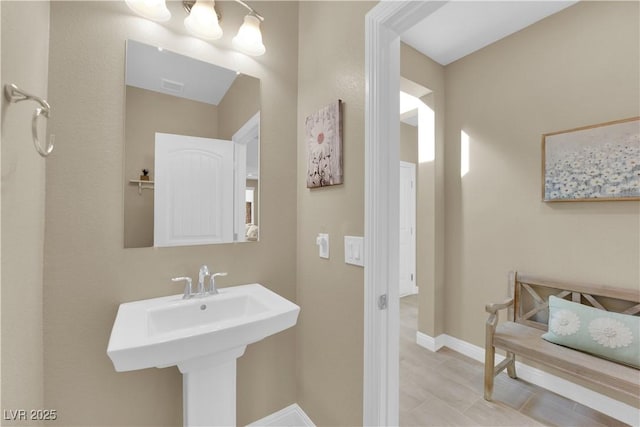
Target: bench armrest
{"points": [[492, 321], [493, 308]]}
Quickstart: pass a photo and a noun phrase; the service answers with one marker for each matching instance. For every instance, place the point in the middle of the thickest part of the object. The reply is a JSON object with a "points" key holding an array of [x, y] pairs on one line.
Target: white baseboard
{"points": [[291, 416], [605, 404], [413, 291], [424, 340], [430, 343]]}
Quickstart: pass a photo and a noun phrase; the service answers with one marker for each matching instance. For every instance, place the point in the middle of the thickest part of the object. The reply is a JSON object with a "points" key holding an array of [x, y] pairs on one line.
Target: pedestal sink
{"points": [[203, 336]]}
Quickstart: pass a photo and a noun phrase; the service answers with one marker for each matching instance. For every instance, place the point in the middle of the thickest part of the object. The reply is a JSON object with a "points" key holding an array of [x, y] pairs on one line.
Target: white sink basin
{"points": [[169, 331], [212, 310]]}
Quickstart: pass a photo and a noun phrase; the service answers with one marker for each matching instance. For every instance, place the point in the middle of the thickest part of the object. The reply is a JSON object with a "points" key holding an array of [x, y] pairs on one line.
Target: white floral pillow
{"points": [[613, 336]]}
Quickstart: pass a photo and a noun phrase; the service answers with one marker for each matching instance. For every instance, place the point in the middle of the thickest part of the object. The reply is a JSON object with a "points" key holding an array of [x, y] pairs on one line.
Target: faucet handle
{"points": [[187, 287], [212, 283]]}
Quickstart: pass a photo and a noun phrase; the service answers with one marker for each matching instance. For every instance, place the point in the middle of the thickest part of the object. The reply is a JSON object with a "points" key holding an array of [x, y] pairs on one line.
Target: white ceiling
{"points": [[160, 70], [462, 27]]}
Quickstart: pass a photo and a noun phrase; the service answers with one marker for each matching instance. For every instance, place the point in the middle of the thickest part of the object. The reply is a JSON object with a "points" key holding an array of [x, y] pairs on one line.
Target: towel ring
{"points": [[14, 94], [34, 133]]}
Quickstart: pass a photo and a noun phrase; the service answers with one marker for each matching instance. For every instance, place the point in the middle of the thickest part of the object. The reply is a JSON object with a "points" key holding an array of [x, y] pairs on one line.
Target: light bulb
{"points": [[203, 20], [155, 10], [249, 38]]}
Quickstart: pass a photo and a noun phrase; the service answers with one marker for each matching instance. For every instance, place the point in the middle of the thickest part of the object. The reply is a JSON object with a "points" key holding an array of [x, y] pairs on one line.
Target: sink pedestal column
{"points": [[209, 389]]}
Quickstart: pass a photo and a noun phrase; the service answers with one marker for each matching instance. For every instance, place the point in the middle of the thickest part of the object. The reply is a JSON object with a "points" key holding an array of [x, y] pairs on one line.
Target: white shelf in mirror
{"points": [[140, 183]]}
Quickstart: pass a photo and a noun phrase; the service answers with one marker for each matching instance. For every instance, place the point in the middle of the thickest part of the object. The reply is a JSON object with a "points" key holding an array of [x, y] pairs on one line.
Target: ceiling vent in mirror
{"points": [[171, 86]]}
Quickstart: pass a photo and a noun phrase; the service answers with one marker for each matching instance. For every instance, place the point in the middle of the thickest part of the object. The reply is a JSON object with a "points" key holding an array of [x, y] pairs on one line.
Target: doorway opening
{"points": [[383, 25]]}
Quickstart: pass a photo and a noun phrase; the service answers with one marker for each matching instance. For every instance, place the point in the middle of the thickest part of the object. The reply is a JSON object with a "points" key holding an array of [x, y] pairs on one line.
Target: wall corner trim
{"points": [[291, 416], [605, 404]]}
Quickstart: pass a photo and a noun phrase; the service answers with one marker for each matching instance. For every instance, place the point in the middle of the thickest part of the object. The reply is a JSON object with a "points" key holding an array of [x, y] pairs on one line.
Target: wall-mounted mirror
{"points": [[192, 143]]}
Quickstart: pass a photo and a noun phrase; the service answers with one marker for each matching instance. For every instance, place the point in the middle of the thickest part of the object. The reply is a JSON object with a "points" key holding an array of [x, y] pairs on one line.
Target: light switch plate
{"points": [[354, 250], [323, 245]]}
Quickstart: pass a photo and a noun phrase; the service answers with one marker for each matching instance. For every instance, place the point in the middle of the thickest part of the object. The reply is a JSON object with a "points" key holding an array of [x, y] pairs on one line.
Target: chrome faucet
{"points": [[204, 272], [201, 290], [212, 283], [188, 289]]}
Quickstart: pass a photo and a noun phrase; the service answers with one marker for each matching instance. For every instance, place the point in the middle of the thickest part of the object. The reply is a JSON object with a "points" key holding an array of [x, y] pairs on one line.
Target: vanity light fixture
{"points": [[155, 10], [203, 22], [249, 38]]}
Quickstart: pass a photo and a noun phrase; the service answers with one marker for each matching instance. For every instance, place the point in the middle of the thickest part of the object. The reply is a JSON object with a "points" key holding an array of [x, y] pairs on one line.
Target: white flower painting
{"points": [[564, 322], [599, 162], [610, 332], [323, 133]]}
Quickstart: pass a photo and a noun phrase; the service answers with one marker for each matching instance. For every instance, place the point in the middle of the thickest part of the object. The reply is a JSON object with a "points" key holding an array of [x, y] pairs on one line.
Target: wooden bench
{"points": [[528, 314]]}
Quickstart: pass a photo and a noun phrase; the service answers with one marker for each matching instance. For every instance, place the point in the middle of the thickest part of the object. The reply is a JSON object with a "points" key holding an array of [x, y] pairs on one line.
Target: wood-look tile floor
{"points": [[445, 389]]}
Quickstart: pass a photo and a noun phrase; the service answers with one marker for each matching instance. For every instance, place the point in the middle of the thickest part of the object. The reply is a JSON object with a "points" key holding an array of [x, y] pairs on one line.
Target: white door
{"points": [[407, 257], [193, 200]]}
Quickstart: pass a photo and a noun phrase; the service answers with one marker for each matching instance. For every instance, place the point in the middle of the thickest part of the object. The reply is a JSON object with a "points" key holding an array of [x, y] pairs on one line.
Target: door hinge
{"points": [[382, 302], [412, 277]]}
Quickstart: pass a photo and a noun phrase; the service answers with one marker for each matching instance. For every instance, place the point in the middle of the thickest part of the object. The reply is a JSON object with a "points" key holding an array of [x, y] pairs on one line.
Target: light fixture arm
{"points": [[188, 4], [251, 10]]}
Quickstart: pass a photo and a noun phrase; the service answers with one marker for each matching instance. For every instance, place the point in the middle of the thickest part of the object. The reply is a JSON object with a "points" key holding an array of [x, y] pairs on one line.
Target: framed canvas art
{"points": [[323, 138], [592, 163]]}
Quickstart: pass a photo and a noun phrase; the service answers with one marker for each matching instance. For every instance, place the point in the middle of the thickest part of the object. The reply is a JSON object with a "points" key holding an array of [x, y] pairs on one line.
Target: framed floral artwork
{"points": [[323, 137], [592, 163]]}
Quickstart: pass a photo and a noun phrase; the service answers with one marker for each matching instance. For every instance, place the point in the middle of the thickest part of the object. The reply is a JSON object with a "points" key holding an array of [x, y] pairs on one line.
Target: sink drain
{"points": [[203, 307]]}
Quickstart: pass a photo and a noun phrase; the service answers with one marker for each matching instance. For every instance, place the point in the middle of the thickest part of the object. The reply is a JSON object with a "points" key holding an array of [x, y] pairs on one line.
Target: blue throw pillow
{"points": [[613, 336]]}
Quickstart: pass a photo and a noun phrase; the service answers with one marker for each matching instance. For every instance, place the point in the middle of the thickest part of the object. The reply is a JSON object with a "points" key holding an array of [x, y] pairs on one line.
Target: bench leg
{"points": [[511, 367], [489, 375]]}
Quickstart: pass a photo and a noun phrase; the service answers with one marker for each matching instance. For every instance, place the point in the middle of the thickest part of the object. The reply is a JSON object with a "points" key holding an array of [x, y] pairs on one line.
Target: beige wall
{"points": [[330, 333], [576, 68], [25, 47], [408, 143], [241, 102], [430, 214], [148, 112], [87, 271]]}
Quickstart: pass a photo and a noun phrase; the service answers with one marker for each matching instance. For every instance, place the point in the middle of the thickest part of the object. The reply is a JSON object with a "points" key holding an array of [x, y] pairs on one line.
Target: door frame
{"points": [[241, 140], [383, 26]]}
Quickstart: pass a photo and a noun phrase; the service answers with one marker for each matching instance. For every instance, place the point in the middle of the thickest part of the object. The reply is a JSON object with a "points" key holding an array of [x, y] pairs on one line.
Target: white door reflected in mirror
{"points": [[194, 187]]}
